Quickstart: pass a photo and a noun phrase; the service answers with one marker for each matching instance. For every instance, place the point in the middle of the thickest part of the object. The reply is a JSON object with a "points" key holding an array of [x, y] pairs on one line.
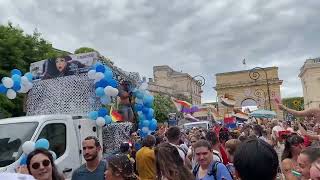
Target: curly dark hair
{"points": [[120, 164]]}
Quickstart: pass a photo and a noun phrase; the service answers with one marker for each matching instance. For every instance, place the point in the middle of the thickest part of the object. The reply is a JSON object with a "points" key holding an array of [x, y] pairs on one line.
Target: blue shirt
{"points": [[222, 173], [82, 173]]}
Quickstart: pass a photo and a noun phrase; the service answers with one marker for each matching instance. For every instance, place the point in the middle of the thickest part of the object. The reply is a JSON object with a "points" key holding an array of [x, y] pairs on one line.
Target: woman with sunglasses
{"points": [[41, 165]]}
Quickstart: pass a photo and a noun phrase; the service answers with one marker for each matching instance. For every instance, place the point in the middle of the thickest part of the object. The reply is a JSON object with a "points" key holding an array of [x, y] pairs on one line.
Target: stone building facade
{"points": [[170, 82], [250, 88], [310, 79]]}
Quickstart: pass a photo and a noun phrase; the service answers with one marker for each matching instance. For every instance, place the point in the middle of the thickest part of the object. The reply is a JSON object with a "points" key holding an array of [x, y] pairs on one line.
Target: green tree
{"points": [[84, 50], [296, 103], [162, 107], [18, 50]]}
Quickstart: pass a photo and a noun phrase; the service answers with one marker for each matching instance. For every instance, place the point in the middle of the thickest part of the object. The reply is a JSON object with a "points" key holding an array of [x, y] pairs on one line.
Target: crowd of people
{"points": [[260, 150]]}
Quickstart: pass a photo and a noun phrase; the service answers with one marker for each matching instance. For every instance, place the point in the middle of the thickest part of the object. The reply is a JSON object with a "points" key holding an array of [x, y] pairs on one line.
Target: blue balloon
{"points": [[113, 83], [150, 114], [153, 125], [16, 78], [141, 116], [145, 110], [139, 94], [148, 99], [108, 74], [93, 115], [142, 134], [102, 83], [42, 143], [148, 105], [102, 112], [16, 71], [108, 119], [145, 123], [23, 160], [105, 100], [100, 92], [140, 125], [29, 76], [100, 68], [138, 145], [3, 90], [16, 86], [108, 68], [138, 107]]}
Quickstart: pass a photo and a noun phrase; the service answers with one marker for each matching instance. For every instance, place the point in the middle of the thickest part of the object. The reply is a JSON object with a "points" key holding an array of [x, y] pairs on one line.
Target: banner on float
{"points": [[63, 66]]}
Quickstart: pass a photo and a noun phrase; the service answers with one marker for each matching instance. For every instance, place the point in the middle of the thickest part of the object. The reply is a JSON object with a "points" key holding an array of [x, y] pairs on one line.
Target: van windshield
{"points": [[12, 136], [199, 125]]}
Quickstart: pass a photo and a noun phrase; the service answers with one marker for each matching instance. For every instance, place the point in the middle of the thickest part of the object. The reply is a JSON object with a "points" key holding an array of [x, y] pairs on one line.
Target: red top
{"points": [[224, 155]]}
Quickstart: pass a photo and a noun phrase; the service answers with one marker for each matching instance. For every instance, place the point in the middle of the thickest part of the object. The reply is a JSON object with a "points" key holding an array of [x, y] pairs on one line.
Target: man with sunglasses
{"points": [[94, 167]]}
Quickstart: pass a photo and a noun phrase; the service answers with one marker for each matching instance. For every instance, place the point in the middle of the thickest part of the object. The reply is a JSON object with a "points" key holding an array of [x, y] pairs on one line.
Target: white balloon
{"points": [[29, 86], [115, 92], [108, 90], [54, 155], [24, 80], [7, 82], [98, 76], [100, 121], [28, 147], [11, 94], [144, 86], [23, 89], [91, 74], [145, 129]]}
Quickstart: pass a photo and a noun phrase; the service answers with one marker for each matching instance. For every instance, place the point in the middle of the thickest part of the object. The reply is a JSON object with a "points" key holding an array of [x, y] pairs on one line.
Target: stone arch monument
{"points": [[256, 87]]}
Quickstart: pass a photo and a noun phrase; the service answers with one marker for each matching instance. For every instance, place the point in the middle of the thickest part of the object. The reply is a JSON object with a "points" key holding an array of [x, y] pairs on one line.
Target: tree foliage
{"points": [[84, 50], [296, 103], [162, 107], [18, 50]]}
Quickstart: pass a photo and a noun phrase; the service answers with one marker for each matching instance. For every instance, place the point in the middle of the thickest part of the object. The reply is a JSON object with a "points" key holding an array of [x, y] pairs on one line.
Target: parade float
{"points": [[68, 99]]}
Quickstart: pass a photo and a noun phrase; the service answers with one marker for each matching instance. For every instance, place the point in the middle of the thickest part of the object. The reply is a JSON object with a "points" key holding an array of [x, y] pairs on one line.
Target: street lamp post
{"points": [[200, 80], [255, 75]]}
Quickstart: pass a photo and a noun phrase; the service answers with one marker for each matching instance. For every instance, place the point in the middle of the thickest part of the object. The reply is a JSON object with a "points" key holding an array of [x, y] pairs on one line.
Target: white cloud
{"points": [[198, 37]]}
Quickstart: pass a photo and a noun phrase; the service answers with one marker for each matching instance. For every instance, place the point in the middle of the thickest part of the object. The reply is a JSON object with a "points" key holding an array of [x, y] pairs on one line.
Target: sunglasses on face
{"points": [[45, 163]]}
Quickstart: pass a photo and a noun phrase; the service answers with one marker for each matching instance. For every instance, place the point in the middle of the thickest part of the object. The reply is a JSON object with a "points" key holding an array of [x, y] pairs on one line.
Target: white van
{"points": [[200, 124], [65, 134]]}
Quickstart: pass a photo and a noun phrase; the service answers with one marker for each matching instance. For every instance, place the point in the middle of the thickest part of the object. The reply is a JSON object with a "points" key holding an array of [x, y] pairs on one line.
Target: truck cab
{"points": [[64, 133]]}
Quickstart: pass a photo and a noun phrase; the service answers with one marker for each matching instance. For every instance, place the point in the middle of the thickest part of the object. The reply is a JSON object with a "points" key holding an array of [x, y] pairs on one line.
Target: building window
{"points": [[56, 135]]}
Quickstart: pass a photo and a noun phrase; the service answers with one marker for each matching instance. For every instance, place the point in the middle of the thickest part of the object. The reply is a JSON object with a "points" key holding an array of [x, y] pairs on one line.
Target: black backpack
{"points": [[212, 172]]}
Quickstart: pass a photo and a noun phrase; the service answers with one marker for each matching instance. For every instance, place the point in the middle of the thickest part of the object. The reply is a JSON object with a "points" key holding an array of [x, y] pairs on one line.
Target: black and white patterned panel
{"points": [[74, 95]]}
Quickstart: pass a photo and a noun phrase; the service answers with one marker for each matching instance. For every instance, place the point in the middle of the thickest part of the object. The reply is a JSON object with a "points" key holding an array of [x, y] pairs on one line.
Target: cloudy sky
{"points": [[194, 36]]}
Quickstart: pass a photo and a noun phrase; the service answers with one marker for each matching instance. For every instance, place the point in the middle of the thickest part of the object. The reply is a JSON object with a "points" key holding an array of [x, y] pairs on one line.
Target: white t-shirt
{"points": [[181, 153], [217, 156], [15, 176]]}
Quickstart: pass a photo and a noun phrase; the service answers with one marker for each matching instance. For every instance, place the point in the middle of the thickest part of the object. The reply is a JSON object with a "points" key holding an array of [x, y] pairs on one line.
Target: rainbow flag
{"points": [[115, 116], [183, 103]]}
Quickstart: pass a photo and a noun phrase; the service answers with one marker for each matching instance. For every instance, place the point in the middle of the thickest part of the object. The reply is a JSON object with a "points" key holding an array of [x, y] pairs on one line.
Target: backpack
{"points": [[212, 172]]}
